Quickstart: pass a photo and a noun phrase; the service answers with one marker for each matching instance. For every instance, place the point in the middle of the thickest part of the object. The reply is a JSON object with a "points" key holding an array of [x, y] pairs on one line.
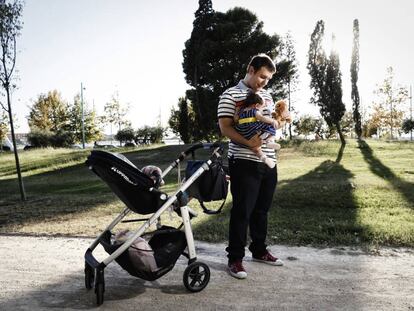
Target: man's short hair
{"points": [[262, 60]]}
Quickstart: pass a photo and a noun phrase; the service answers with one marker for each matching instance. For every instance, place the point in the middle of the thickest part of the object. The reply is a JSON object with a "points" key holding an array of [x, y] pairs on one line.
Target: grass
{"points": [[361, 195]]}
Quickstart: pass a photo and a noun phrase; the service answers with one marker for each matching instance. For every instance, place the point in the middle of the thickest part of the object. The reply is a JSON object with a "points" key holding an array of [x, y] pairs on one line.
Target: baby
{"points": [[249, 120]]}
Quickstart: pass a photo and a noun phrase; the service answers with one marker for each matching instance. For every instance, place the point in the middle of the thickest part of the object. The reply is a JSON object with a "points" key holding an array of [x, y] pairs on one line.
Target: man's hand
{"points": [[255, 141]]}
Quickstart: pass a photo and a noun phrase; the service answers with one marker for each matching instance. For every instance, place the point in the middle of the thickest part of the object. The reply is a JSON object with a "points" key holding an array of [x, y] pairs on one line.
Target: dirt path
{"points": [[38, 273]]}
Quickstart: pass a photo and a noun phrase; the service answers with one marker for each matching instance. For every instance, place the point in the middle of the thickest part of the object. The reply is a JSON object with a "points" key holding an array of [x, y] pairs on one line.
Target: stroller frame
{"points": [[197, 274]]}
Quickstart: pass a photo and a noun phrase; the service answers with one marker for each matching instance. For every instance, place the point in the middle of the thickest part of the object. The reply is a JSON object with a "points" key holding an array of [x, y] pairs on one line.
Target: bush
{"points": [[45, 138], [62, 139], [125, 135], [40, 138]]}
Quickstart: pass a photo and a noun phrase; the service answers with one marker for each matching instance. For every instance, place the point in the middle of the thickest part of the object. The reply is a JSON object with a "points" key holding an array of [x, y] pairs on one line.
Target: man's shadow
{"points": [[316, 208]]}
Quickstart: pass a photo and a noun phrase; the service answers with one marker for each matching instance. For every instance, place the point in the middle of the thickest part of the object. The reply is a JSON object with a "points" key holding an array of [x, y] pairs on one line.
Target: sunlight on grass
{"points": [[367, 198]]}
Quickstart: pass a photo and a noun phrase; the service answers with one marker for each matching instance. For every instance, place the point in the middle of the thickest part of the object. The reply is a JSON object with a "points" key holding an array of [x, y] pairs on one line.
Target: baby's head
{"points": [[154, 173], [253, 99]]}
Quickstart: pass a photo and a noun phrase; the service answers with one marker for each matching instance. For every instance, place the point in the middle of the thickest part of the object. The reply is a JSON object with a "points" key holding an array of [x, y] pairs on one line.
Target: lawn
{"points": [[361, 195]]}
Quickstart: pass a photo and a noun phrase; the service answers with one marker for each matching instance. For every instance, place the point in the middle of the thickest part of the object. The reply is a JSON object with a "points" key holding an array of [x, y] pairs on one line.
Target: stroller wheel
{"points": [[196, 276], [89, 276]]}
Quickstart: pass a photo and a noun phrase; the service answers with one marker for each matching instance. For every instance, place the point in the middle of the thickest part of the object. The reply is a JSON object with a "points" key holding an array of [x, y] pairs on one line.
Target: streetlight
{"points": [[82, 118]]}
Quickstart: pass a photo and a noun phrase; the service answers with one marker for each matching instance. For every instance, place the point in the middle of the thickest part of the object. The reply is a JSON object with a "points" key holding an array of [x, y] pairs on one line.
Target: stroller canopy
{"points": [[131, 185]]}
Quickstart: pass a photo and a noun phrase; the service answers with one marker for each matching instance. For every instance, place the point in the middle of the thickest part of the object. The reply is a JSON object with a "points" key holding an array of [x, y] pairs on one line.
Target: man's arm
{"points": [[227, 129]]}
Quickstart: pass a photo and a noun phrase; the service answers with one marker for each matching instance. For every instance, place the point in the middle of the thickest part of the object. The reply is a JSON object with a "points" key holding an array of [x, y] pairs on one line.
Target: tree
{"points": [[147, 135], [354, 80], [4, 126], [115, 113], [216, 55], [407, 125], [10, 26], [387, 110], [291, 79], [49, 112], [182, 121], [91, 129], [326, 80], [125, 135], [307, 125], [334, 107]]}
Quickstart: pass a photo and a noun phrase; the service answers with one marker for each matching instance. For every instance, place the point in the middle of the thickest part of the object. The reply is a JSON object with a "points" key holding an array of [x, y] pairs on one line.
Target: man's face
{"points": [[259, 79]]}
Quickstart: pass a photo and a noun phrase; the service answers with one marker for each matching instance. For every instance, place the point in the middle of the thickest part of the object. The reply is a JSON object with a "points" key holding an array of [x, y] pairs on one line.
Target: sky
{"points": [[134, 47]]}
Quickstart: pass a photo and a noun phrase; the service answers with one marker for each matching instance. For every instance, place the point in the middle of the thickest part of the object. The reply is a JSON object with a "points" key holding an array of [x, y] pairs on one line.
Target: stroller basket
{"points": [[167, 243], [131, 185]]}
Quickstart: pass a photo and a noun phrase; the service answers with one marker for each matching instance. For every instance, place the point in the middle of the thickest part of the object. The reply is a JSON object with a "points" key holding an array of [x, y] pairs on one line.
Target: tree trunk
{"points": [[290, 107], [16, 155], [341, 135]]}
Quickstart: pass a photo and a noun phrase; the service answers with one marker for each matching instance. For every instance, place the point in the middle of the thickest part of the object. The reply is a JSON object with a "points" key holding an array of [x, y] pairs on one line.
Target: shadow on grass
{"points": [[381, 170], [70, 190], [317, 208]]}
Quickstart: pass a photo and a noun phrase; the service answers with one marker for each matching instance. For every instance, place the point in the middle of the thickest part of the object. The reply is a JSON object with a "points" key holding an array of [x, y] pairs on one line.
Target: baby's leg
{"points": [[270, 142], [269, 162]]}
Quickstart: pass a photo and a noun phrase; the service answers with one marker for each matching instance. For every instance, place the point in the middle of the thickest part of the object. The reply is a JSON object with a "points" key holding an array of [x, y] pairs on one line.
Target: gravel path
{"points": [[39, 273]]}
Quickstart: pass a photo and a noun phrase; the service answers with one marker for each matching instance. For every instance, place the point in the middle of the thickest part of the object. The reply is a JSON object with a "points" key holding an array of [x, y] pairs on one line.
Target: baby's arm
{"points": [[267, 120]]}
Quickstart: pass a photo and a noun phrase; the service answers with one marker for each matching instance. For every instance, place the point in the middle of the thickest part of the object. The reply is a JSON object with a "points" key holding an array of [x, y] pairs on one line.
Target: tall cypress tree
{"points": [[354, 80], [326, 81], [335, 108]]}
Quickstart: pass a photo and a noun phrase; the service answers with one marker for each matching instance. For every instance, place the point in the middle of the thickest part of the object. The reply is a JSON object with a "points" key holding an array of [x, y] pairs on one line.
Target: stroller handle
{"points": [[217, 145], [199, 146]]}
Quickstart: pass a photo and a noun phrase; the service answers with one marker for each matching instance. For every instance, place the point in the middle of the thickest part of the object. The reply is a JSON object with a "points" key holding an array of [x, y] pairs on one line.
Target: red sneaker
{"points": [[269, 259], [237, 270]]}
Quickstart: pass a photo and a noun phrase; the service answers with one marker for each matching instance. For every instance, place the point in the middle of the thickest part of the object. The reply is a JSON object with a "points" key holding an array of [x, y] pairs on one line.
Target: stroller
{"points": [[205, 180]]}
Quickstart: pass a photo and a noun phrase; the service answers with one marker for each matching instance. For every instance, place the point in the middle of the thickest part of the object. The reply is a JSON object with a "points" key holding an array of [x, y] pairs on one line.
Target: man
{"points": [[252, 181]]}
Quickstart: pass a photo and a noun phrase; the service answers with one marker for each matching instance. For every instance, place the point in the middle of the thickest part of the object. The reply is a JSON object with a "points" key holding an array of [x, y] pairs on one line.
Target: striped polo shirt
{"points": [[227, 109]]}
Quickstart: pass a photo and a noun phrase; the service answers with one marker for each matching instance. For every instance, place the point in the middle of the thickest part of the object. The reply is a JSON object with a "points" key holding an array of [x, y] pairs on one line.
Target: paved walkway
{"points": [[38, 273]]}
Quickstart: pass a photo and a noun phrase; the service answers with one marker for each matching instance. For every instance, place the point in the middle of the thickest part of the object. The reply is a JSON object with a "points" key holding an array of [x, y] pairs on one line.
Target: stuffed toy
{"points": [[281, 112]]}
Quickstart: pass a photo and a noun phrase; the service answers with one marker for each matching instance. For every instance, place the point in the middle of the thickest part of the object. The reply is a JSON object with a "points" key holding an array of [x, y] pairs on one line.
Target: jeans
{"points": [[252, 186]]}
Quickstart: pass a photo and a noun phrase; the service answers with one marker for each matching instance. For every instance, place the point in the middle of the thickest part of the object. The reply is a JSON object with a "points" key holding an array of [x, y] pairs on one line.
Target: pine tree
{"points": [[216, 56], [354, 80]]}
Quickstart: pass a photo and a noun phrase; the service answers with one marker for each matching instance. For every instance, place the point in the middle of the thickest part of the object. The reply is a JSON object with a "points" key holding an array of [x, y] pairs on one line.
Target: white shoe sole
{"points": [[278, 262], [240, 275]]}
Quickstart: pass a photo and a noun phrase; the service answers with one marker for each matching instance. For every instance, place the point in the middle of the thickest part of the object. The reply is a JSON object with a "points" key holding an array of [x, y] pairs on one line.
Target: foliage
{"points": [[215, 58], [307, 125], [387, 114], [407, 125], [115, 113], [4, 125], [10, 27], [125, 135], [291, 79], [49, 112], [91, 130], [354, 80], [326, 80], [182, 121], [149, 135], [40, 137]]}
